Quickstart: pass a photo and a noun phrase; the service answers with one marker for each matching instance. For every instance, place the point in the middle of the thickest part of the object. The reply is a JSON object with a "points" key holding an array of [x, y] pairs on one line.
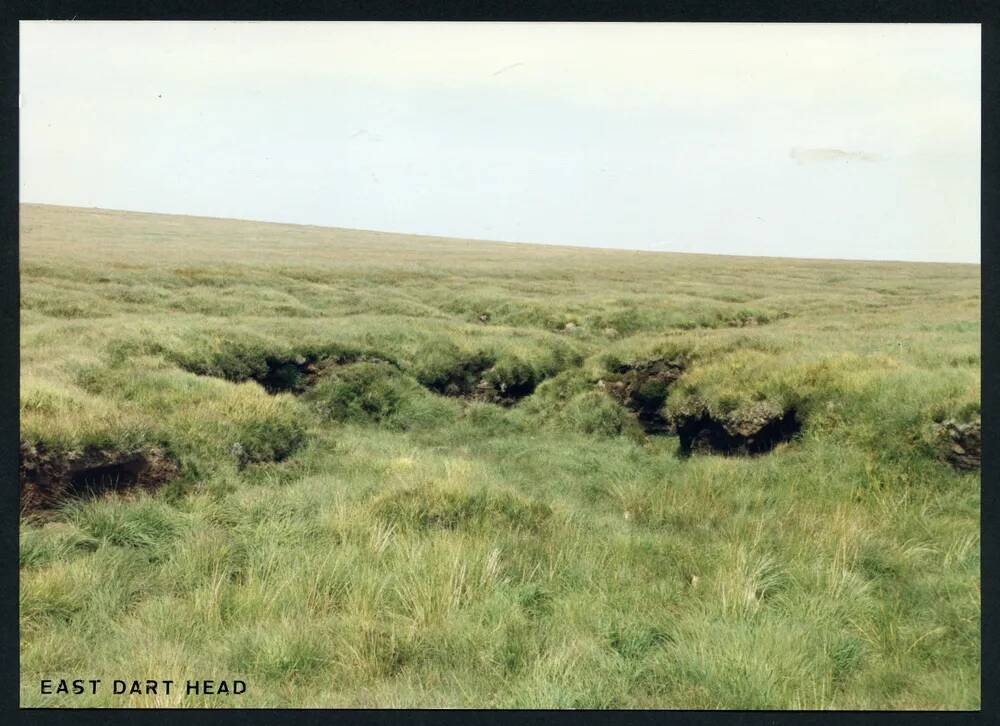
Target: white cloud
{"points": [[810, 156]]}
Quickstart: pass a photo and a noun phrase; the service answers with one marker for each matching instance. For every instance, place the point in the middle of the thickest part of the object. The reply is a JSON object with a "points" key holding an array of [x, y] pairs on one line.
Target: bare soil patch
{"points": [[962, 443], [746, 433], [642, 388], [49, 476]]}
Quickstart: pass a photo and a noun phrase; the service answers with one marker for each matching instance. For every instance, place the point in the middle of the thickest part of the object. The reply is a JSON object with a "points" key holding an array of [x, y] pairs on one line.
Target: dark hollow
{"points": [[463, 379], [285, 375], [117, 475], [49, 477], [704, 434], [643, 389], [511, 393]]}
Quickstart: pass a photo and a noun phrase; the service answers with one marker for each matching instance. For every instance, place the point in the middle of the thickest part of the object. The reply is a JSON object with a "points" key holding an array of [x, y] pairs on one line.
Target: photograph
{"points": [[499, 365]]}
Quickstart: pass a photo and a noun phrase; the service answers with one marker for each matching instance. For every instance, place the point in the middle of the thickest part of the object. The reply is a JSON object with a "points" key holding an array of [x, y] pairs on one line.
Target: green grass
{"points": [[373, 543]]}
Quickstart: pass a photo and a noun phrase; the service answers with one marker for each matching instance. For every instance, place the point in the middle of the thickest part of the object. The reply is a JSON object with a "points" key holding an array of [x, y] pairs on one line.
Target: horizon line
{"points": [[22, 203]]}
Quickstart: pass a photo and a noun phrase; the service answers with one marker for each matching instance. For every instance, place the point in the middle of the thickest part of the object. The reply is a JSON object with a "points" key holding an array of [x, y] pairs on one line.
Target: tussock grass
{"points": [[374, 535]]}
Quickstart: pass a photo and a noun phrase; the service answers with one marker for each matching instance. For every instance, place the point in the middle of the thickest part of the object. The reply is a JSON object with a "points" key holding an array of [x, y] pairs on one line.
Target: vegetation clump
{"points": [[507, 382], [482, 376], [375, 392], [594, 413], [450, 372], [570, 401], [448, 507]]}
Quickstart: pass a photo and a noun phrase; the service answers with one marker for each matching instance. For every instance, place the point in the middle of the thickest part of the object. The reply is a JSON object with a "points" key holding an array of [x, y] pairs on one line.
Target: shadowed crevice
{"points": [[49, 477], [479, 377], [642, 388], [731, 436], [285, 373]]}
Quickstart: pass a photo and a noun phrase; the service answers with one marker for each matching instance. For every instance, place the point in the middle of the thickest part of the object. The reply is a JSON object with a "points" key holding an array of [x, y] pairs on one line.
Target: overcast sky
{"points": [[845, 141]]}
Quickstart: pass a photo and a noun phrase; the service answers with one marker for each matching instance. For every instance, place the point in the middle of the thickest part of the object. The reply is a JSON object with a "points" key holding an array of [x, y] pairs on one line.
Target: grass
{"points": [[375, 543]]}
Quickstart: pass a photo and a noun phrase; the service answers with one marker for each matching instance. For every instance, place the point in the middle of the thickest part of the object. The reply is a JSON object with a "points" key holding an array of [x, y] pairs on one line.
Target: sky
{"points": [[830, 141]]}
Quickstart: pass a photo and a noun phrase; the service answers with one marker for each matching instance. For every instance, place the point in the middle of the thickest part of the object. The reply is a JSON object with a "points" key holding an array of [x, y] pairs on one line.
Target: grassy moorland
{"points": [[367, 469]]}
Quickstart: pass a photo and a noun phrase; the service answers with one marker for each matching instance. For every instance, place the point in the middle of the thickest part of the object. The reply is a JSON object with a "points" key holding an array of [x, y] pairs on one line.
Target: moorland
{"points": [[364, 469]]}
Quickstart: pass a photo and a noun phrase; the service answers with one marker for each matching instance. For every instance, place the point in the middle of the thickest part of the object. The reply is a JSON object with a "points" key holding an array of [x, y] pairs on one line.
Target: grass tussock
{"points": [[450, 508]]}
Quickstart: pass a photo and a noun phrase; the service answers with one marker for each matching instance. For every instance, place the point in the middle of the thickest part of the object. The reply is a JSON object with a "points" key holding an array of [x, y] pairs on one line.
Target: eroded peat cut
{"points": [[504, 392], [480, 377], [300, 373], [49, 476], [292, 376], [642, 388], [744, 433], [277, 372], [962, 443], [462, 379]]}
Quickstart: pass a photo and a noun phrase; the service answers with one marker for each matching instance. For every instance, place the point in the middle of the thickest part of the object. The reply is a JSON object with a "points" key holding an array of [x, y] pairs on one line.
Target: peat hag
{"points": [[748, 433], [276, 373], [462, 379], [49, 476], [642, 388], [962, 442], [479, 377], [296, 374]]}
